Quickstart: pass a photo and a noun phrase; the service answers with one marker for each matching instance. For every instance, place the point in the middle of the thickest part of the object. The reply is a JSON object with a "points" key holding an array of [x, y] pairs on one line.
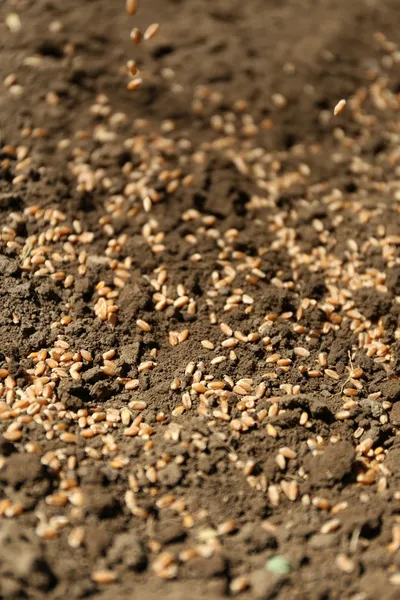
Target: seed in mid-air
{"points": [[136, 35], [135, 84], [151, 31], [132, 67], [131, 6], [339, 108]]}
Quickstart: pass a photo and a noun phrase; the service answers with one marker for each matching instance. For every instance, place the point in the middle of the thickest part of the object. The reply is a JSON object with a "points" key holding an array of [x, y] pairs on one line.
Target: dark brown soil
{"points": [[288, 234]]}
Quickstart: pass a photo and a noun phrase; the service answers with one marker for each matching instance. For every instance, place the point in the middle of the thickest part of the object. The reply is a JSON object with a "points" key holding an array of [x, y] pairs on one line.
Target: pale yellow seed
{"points": [[321, 503], [274, 495], [162, 561], [226, 329], [86, 355], [131, 431], [314, 373], [332, 374], [207, 344], [303, 352], [330, 526], [143, 325], [344, 563], [13, 22], [183, 335], [281, 462], [290, 489], [342, 415], [339, 108], [227, 527], [104, 576], [138, 405], [133, 384], [151, 31], [395, 579], [323, 359], [339, 507], [356, 373], [76, 537], [287, 452]]}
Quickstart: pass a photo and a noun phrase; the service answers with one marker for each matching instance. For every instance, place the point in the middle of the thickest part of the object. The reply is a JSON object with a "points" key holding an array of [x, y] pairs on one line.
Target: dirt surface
{"points": [[200, 299]]}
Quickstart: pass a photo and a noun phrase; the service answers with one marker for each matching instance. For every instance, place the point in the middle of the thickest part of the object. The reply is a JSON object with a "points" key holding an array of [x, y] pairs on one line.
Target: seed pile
{"points": [[198, 378]]}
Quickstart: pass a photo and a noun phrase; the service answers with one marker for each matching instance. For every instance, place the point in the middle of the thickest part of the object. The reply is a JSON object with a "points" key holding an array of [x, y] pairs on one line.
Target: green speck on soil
{"points": [[279, 565]]}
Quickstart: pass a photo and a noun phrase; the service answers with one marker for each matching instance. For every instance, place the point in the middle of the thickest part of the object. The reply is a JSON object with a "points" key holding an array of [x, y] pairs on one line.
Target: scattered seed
{"points": [[303, 352], [227, 527], [76, 537], [342, 415], [143, 325], [330, 526], [104, 577], [207, 344], [239, 584], [290, 489], [287, 452], [344, 563], [332, 374]]}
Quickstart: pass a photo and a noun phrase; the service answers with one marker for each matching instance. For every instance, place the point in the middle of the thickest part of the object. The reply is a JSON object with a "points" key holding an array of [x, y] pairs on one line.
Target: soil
{"points": [[288, 234]]}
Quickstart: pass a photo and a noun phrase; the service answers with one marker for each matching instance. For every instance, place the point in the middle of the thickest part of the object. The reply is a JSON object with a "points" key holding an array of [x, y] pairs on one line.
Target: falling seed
{"points": [[339, 108], [151, 31], [132, 67], [131, 6], [136, 35], [134, 84]]}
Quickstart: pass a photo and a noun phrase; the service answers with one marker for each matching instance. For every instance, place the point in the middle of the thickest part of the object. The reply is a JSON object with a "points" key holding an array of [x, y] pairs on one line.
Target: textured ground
{"points": [[200, 299]]}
